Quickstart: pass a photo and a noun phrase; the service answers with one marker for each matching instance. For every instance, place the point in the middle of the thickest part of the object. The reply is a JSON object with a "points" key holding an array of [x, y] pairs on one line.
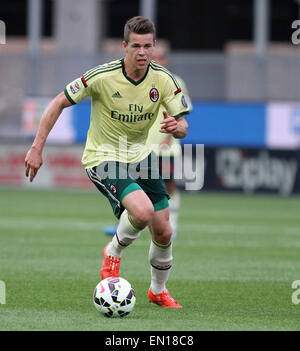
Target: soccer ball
{"points": [[114, 297]]}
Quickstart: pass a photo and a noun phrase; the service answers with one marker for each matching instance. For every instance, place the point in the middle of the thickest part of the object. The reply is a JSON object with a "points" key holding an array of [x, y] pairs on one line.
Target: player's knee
{"points": [[143, 215], [166, 234], [163, 234]]}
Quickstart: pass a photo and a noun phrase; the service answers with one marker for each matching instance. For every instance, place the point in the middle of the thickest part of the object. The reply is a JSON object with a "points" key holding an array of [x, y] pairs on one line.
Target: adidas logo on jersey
{"points": [[116, 95]]}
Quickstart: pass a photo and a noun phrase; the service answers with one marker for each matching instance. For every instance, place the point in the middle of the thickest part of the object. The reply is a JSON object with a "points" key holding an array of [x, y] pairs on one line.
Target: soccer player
{"points": [[126, 95], [166, 147]]}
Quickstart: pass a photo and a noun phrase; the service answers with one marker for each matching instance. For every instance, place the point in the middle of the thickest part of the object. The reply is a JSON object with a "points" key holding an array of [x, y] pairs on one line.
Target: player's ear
{"points": [[124, 44], [154, 43]]}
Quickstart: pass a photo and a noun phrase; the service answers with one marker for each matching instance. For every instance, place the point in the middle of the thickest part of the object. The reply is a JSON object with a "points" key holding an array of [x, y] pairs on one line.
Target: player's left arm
{"points": [[177, 127]]}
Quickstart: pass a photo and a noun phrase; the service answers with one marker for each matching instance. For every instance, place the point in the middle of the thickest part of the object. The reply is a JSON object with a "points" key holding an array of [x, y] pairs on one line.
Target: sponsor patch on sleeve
{"points": [[75, 87]]}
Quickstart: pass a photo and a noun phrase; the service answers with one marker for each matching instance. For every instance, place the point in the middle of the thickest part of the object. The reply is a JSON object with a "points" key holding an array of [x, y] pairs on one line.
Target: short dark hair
{"points": [[138, 25]]}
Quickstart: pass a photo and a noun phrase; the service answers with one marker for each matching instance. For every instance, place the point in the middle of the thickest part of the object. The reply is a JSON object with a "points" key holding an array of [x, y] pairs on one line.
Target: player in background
{"points": [[166, 147], [126, 95]]}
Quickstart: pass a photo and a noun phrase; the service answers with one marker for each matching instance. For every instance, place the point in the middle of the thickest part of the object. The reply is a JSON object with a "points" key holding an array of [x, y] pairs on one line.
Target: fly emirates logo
{"points": [[135, 114]]}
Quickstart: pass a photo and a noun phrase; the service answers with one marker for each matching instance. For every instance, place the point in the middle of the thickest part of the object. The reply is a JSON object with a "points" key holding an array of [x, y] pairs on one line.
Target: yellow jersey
{"points": [[123, 110]]}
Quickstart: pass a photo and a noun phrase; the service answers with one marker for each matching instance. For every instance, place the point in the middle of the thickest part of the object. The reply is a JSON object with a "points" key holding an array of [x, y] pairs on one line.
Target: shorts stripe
{"points": [[97, 180]]}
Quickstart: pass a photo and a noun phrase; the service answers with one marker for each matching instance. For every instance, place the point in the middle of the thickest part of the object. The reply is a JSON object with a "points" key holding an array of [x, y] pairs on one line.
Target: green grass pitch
{"points": [[235, 259]]}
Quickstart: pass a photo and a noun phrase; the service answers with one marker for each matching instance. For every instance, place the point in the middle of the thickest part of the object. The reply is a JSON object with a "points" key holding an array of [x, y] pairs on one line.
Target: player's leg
{"points": [[174, 204], [161, 259], [137, 214], [166, 166], [129, 201], [160, 253], [137, 206]]}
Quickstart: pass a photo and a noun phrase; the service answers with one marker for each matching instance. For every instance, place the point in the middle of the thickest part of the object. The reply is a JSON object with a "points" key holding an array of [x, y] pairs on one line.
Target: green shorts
{"points": [[115, 180]]}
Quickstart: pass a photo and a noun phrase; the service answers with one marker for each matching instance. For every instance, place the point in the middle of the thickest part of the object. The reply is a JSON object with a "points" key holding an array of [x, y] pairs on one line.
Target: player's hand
{"points": [[169, 124], [33, 162]]}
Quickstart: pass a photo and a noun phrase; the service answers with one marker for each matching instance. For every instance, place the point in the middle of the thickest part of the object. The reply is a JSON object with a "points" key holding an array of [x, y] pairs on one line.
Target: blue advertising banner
{"points": [[227, 124]]}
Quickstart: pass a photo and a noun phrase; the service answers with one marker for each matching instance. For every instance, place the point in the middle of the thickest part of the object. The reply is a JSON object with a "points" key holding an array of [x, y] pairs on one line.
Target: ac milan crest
{"points": [[154, 94], [113, 189]]}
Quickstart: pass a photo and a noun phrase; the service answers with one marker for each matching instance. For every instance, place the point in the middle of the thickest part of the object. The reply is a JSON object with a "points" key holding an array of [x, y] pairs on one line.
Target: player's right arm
{"points": [[33, 160], [73, 93]]}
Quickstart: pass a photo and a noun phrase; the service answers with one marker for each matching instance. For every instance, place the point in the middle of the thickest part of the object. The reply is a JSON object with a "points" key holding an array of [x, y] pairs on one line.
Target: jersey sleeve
{"points": [[185, 92], [78, 90], [174, 99]]}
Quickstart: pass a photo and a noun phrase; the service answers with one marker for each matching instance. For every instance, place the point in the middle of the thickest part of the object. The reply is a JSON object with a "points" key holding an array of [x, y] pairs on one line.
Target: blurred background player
{"points": [[166, 147]]}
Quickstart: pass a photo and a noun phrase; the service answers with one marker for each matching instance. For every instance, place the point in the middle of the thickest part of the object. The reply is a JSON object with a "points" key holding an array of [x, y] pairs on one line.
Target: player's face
{"points": [[139, 50]]}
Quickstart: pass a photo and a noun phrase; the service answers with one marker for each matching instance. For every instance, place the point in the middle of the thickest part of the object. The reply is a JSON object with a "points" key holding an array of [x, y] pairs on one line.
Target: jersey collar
{"points": [[131, 80]]}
